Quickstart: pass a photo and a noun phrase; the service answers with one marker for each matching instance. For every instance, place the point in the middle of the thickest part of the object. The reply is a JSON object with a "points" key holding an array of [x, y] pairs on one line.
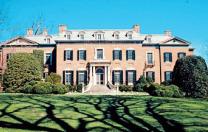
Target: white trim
{"points": [[81, 49], [116, 48], [130, 49], [117, 68], [95, 55], [81, 69], [153, 58], [68, 49], [130, 68], [50, 57], [68, 69]]}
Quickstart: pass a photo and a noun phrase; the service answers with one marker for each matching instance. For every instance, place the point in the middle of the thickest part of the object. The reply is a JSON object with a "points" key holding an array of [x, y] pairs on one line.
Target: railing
{"points": [[87, 87], [113, 87]]}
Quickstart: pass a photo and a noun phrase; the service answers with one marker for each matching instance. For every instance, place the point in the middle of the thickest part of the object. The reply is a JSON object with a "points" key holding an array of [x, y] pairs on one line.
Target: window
{"points": [[82, 77], [48, 40], [68, 77], [117, 36], [151, 74], [48, 58], [167, 57], [99, 36], [117, 55], [81, 55], [99, 53], [168, 76], [130, 36], [68, 55], [131, 77], [82, 36], [149, 58], [68, 36], [8, 56], [117, 77], [130, 55], [181, 55]]}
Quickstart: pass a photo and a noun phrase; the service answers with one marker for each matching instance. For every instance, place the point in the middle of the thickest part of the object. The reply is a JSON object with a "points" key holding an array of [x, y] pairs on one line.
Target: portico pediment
{"points": [[20, 41]]}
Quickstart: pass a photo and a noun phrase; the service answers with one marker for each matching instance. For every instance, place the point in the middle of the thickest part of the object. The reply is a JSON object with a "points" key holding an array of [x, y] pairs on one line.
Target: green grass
{"points": [[101, 113]]}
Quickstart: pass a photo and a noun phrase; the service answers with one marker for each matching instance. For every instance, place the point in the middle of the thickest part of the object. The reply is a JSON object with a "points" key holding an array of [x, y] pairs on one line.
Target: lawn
{"points": [[101, 113]]}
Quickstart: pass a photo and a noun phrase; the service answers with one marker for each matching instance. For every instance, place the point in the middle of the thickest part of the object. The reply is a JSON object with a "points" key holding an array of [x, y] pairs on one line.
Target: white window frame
{"points": [[69, 72], [66, 54], [130, 83], [95, 56], [132, 56], [153, 59], [50, 58], [117, 82]]}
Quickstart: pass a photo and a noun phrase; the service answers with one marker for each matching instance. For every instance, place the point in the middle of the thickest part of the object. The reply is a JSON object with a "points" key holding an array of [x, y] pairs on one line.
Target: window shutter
{"points": [[113, 79], [165, 76], [64, 55], [153, 76], [121, 77], [85, 77], [126, 77], [63, 77], [164, 55], [85, 55], [72, 77], [71, 54], [120, 55], [113, 54], [77, 81], [134, 76], [77, 54], [170, 57], [133, 54], [127, 55]]}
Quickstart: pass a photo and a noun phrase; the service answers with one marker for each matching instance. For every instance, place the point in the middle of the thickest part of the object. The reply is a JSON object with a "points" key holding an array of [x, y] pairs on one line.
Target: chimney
{"points": [[136, 28], [168, 33], [29, 32], [62, 29], [45, 32]]}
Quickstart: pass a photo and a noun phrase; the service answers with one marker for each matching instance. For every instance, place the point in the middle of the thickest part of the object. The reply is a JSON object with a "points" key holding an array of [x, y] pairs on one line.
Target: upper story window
{"points": [[181, 55], [68, 35], [81, 35], [81, 55], [117, 54], [149, 58], [151, 75], [130, 54], [116, 35], [168, 76], [48, 58], [68, 55], [99, 35], [149, 38], [99, 53], [167, 57], [129, 35]]}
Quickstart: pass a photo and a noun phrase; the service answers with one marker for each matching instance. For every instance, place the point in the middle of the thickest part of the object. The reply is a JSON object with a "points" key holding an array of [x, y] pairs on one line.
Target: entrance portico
{"points": [[99, 72]]}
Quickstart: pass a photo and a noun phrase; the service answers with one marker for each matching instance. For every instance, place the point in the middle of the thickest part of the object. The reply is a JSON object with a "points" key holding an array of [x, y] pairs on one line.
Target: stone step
{"points": [[100, 89]]}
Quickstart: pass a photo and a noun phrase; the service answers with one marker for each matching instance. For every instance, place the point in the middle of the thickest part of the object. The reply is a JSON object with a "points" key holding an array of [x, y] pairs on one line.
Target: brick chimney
{"points": [[45, 32], [62, 29], [136, 28], [167, 33], [29, 32]]}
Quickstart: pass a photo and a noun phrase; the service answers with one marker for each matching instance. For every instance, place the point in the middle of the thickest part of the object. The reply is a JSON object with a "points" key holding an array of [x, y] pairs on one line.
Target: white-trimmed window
{"points": [[116, 36], [82, 77], [151, 75], [168, 75], [167, 57], [131, 77], [99, 54], [81, 55], [68, 77], [149, 58], [181, 55], [130, 54], [48, 58], [68, 55], [117, 54], [117, 77]]}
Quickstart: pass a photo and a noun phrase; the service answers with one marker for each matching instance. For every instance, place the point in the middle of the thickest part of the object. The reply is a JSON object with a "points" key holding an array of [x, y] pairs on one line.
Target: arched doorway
{"points": [[100, 76]]}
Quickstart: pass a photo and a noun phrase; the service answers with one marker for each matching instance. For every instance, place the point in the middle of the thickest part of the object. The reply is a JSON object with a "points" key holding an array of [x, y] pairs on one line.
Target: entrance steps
{"points": [[100, 89]]}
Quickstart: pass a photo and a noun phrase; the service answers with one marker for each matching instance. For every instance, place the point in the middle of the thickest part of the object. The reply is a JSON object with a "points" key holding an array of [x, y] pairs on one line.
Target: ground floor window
{"points": [[81, 77], [68, 77], [168, 75], [117, 77], [151, 75], [130, 77]]}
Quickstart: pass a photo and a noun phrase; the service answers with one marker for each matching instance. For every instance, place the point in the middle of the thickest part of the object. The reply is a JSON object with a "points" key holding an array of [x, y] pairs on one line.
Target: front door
{"points": [[100, 76]]}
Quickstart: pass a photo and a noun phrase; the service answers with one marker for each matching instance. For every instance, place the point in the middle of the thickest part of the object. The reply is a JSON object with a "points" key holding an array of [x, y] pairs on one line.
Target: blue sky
{"points": [[185, 18]]}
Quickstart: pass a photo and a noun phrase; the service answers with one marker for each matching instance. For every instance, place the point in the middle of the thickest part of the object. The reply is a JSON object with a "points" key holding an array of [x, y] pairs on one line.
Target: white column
{"points": [[90, 73], [109, 74], [94, 76], [105, 75]]}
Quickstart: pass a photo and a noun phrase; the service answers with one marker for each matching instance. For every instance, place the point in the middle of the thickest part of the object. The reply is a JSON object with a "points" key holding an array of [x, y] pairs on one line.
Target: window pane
{"points": [[168, 76], [48, 59], [117, 77], [149, 58], [68, 77], [68, 54], [130, 76], [81, 77], [82, 54], [130, 54], [116, 54], [99, 53], [181, 55]]}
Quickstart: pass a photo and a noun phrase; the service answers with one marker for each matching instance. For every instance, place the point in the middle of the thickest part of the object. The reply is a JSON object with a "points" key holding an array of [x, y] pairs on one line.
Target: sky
{"points": [[187, 19]]}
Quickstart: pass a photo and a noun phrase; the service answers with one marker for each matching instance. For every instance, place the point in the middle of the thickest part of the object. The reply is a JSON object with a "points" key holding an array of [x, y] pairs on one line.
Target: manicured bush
{"points": [[164, 91], [53, 78], [71, 88], [167, 83], [191, 75], [79, 88], [39, 54], [59, 89], [43, 88], [142, 83], [125, 88], [28, 87], [21, 68]]}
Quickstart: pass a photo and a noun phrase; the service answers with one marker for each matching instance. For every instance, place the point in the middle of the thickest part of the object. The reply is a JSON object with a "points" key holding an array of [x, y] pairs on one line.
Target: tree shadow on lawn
{"points": [[114, 112]]}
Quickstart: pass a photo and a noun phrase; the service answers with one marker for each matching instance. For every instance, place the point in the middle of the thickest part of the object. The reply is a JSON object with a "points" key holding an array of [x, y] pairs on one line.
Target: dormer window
{"points": [[68, 35], [116, 35], [129, 35], [47, 40], [81, 35], [149, 38], [99, 35]]}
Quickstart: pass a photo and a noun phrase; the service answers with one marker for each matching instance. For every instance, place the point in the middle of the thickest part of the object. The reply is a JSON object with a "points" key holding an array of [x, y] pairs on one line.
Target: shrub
{"points": [[53, 78], [125, 88], [39, 54], [167, 83], [21, 68], [59, 89], [43, 88], [142, 83], [28, 87], [71, 88], [191, 75], [164, 91], [79, 88]]}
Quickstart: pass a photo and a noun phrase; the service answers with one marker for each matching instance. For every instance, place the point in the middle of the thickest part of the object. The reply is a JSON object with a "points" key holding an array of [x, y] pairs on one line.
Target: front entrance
{"points": [[100, 76]]}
